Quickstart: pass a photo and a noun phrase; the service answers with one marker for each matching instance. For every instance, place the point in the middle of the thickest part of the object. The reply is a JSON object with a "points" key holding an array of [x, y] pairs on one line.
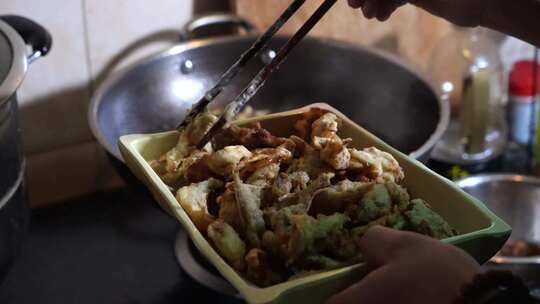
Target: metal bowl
{"points": [[516, 199]]}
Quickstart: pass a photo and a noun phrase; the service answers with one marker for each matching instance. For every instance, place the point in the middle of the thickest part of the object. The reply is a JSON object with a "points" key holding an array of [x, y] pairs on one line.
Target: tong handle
{"points": [[253, 87], [229, 75]]}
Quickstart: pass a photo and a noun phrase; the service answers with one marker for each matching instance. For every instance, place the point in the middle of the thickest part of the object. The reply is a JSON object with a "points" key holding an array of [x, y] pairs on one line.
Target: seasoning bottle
{"points": [[522, 116], [522, 110]]}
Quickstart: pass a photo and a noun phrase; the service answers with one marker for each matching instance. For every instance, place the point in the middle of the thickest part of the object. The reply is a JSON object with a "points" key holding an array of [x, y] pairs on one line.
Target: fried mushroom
{"points": [[259, 268], [228, 209], [426, 221], [305, 196], [249, 199], [224, 161], [376, 165], [336, 197], [228, 243], [252, 137], [194, 200]]}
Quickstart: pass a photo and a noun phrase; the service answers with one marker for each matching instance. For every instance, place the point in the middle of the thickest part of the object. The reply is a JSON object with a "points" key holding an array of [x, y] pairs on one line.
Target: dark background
{"points": [[112, 247]]}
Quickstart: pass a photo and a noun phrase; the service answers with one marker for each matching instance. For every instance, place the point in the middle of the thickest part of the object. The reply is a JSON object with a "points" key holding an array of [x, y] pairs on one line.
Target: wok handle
{"points": [[35, 35], [214, 22]]}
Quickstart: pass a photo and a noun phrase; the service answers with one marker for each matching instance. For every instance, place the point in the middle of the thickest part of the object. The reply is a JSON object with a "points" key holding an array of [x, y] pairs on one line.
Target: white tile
{"points": [[114, 26], [55, 94]]}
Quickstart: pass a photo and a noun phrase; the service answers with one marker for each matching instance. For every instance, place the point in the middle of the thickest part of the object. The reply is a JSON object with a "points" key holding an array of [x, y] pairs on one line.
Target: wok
{"points": [[373, 88]]}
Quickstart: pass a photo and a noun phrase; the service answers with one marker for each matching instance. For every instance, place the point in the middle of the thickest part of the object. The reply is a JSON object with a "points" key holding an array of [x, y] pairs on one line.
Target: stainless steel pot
{"points": [[516, 199], [372, 88], [16, 33]]}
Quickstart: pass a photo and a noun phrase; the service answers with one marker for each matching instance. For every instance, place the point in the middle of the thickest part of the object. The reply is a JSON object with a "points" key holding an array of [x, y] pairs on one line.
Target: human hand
{"points": [[409, 268], [460, 12]]}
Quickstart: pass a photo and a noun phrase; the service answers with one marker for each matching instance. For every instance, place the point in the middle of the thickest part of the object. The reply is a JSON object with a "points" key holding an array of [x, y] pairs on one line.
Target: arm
{"points": [[519, 18]]}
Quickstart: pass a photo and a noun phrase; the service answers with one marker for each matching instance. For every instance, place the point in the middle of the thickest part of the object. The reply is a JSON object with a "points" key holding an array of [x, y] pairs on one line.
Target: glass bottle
{"points": [[466, 69]]}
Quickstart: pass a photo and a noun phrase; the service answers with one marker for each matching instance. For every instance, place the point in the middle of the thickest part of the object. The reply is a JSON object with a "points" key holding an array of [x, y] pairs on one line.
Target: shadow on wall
{"points": [[72, 128], [38, 128]]}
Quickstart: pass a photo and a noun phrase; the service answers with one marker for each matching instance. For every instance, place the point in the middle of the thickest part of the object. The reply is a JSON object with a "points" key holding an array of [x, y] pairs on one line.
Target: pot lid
{"points": [[13, 63]]}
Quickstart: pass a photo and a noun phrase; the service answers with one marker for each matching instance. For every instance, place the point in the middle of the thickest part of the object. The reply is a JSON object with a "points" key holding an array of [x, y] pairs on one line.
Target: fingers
{"points": [[380, 9], [386, 9], [369, 8], [356, 3], [379, 245], [370, 290], [408, 268]]}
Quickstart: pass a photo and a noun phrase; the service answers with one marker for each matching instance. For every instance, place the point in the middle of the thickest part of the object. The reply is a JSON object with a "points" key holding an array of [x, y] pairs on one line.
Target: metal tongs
{"points": [[234, 107]]}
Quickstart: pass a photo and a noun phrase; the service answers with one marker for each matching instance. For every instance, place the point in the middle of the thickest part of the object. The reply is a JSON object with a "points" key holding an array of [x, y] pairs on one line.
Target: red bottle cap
{"points": [[521, 79]]}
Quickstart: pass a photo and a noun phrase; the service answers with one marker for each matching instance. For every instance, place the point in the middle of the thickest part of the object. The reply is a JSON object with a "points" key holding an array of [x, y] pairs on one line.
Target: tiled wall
{"points": [[91, 38]]}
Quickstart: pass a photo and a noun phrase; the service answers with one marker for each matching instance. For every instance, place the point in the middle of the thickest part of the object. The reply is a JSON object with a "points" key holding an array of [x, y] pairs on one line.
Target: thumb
{"points": [[380, 244]]}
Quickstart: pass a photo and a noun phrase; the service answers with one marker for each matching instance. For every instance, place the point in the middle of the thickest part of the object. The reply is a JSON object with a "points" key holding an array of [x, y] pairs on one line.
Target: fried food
{"points": [[248, 199], [228, 209], [194, 200], [263, 166], [224, 161], [375, 204], [228, 243], [260, 268], [336, 197], [252, 138], [304, 197], [286, 207], [375, 164], [173, 166], [426, 221], [309, 160]]}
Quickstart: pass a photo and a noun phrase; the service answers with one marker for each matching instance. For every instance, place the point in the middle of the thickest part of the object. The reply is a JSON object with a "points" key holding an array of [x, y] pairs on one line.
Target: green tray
{"points": [[482, 233]]}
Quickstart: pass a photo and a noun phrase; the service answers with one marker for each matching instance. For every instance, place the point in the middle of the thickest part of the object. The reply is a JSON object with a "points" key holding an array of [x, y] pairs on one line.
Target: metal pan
{"points": [[374, 89]]}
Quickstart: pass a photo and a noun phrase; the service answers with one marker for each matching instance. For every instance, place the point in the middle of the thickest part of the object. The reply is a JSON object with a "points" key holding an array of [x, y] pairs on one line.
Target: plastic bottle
{"points": [[522, 116]]}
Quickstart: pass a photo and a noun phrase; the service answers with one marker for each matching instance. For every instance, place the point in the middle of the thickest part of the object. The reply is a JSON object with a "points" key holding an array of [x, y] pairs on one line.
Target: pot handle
{"points": [[213, 20], [35, 35]]}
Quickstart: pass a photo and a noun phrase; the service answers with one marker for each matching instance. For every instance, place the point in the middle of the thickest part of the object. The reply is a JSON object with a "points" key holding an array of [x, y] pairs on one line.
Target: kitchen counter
{"points": [[112, 247]]}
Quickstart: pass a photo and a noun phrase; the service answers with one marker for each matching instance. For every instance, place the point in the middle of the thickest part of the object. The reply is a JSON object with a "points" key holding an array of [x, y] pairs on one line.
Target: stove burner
{"points": [[198, 268]]}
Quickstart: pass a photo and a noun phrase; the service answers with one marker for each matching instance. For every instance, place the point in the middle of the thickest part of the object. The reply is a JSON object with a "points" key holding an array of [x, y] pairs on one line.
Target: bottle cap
{"points": [[521, 79]]}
